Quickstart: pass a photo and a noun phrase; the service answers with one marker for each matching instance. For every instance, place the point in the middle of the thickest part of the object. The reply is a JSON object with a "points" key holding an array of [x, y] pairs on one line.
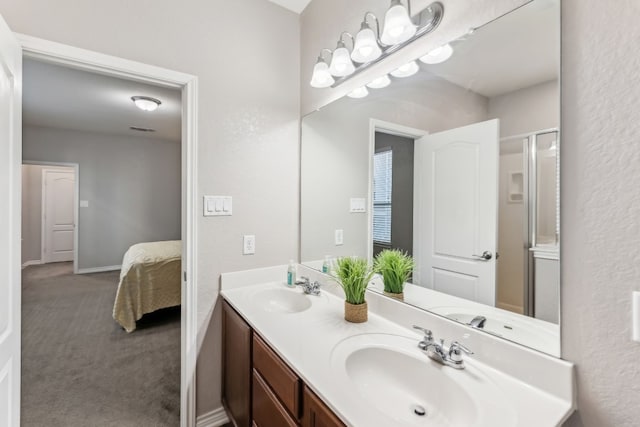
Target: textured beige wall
{"points": [[600, 221], [246, 55]]}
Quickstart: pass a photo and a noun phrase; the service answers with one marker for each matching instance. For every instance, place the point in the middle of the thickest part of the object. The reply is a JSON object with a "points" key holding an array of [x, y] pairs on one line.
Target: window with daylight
{"points": [[382, 170]]}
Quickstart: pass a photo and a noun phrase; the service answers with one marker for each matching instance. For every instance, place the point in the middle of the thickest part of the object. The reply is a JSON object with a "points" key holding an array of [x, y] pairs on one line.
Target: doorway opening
{"points": [[79, 59], [49, 213]]}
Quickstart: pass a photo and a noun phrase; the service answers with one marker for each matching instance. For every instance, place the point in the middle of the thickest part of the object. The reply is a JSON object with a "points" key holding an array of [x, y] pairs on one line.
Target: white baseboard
{"points": [[33, 262], [215, 418], [99, 269]]}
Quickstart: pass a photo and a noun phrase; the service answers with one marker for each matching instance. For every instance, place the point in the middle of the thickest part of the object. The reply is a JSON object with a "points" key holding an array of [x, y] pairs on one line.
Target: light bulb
{"points": [[366, 48], [321, 77], [438, 55], [341, 64], [380, 82], [398, 27], [361, 92], [146, 103], [406, 70]]}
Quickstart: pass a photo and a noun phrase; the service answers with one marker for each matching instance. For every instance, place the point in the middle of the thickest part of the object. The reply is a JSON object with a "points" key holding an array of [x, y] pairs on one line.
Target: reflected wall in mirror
{"points": [[457, 165]]}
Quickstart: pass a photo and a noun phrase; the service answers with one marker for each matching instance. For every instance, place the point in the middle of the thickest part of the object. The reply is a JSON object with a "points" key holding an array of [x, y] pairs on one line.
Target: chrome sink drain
{"points": [[419, 410]]}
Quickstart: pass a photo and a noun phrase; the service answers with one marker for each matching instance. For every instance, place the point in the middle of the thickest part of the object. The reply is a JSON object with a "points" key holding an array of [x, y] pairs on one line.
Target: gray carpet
{"points": [[79, 368]]}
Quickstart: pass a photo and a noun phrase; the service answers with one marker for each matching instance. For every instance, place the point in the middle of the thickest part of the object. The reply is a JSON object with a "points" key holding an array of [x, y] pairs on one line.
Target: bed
{"points": [[149, 281]]}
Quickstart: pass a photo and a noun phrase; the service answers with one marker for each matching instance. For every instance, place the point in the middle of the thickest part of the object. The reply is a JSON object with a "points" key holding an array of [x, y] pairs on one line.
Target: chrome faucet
{"points": [[308, 287], [451, 356], [478, 322]]}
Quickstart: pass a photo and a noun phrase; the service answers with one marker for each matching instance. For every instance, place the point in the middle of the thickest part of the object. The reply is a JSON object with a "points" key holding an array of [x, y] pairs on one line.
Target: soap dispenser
{"points": [[291, 274], [326, 265]]}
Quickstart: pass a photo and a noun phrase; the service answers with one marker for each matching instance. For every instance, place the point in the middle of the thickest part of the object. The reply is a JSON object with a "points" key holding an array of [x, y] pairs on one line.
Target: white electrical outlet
{"points": [[339, 237], [248, 244]]}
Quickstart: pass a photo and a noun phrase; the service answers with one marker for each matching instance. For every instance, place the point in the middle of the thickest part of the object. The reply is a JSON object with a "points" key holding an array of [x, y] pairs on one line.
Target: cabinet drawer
{"points": [[282, 380], [267, 410]]}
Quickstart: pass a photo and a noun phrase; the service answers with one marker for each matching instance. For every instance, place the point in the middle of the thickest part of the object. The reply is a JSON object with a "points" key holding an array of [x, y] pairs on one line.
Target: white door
{"points": [[58, 214], [10, 183], [455, 211]]}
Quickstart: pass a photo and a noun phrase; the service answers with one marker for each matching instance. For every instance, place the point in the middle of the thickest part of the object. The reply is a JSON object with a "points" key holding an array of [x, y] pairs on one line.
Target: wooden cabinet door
{"points": [[316, 413], [236, 366]]}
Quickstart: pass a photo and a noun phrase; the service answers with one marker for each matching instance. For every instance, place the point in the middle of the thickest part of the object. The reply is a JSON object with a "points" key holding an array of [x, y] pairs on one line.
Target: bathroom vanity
{"points": [[290, 359]]}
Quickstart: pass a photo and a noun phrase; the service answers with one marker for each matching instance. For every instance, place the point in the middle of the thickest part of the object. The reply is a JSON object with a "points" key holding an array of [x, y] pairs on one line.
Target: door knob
{"points": [[486, 255]]}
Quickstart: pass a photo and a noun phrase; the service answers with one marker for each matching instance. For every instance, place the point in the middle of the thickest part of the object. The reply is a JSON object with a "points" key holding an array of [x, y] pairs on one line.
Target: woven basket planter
{"points": [[399, 297], [356, 313]]}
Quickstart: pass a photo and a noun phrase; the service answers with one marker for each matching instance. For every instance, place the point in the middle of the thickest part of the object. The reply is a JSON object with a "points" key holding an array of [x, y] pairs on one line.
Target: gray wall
{"points": [[246, 54], [526, 110], [132, 185], [32, 210]]}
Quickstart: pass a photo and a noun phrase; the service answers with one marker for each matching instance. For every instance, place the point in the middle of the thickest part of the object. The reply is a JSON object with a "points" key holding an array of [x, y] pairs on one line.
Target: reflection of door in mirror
{"points": [[455, 211]]}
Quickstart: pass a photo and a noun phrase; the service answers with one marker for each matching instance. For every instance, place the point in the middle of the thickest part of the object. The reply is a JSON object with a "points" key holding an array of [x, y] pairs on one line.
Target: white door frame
{"points": [[76, 212], [376, 125], [86, 60]]}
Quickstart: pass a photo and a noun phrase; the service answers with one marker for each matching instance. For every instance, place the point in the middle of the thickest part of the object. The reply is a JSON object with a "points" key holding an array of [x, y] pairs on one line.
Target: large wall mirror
{"points": [[456, 164]]}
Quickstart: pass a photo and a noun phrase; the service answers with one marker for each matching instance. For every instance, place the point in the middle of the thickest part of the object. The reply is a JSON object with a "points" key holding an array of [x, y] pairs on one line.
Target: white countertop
{"points": [[306, 340]]}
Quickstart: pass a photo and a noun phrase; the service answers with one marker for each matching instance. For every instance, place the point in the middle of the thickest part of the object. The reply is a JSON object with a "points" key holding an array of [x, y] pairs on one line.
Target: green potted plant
{"points": [[353, 275], [395, 267]]}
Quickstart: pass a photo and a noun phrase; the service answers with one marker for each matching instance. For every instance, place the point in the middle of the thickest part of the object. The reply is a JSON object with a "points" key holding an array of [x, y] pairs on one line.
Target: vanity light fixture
{"points": [[408, 69], [146, 103], [366, 47], [321, 77], [398, 26], [380, 82], [370, 47], [341, 64], [360, 92], [438, 55]]}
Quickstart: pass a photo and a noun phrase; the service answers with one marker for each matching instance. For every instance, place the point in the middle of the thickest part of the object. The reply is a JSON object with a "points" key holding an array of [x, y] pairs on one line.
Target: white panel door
{"points": [[455, 211], [10, 184], [58, 210]]}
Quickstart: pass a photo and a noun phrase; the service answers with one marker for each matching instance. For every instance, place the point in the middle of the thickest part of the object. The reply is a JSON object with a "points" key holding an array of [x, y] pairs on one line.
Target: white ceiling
{"points": [[66, 98], [508, 54], [296, 6]]}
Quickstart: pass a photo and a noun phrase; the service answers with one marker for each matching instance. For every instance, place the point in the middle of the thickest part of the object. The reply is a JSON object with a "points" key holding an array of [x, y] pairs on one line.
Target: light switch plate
{"points": [[84, 203], [218, 206], [636, 316], [339, 237], [248, 244], [357, 205]]}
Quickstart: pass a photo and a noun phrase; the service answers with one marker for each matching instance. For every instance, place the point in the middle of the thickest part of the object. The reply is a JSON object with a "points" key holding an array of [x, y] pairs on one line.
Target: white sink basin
{"points": [[395, 378], [282, 300], [530, 332]]}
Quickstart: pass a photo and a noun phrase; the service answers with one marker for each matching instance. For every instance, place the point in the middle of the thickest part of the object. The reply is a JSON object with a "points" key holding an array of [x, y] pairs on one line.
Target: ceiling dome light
{"points": [[321, 77], [341, 64], [361, 92], [366, 47], [398, 27], [406, 70], [380, 82], [438, 55], [146, 103]]}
